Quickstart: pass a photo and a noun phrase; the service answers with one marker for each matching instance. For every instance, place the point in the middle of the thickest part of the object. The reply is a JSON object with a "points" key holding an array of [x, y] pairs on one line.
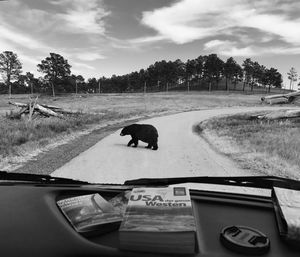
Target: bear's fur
{"points": [[144, 132]]}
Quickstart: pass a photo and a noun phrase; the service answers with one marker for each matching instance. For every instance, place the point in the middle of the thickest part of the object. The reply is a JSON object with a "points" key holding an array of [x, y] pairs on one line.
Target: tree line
{"points": [[202, 73]]}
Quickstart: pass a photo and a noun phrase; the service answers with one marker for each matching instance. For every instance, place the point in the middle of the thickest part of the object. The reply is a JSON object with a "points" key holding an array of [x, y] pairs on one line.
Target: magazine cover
{"points": [[287, 207], [88, 212], [120, 201], [159, 210]]}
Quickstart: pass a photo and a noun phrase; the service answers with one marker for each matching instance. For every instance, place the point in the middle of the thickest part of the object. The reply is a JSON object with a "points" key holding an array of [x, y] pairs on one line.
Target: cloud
{"points": [[278, 25], [34, 30], [186, 21], [81, 16], [284, 50], [5, 45], [149, 39], [29, 59], [89, 56], [229, 48], [11, 35], [214, 44], [76, 65]]}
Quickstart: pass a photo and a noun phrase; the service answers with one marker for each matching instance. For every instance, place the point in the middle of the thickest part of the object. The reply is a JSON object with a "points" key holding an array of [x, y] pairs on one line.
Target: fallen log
{"points": [[52, 107], [47, 112], [264, 98], [66, 111], [58, 109], [289, 96], [279, 100], [18, 104], [276, 115]]}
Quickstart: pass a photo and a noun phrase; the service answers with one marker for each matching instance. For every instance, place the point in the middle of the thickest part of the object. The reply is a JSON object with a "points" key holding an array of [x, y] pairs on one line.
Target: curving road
{"points": [[181, 153]]}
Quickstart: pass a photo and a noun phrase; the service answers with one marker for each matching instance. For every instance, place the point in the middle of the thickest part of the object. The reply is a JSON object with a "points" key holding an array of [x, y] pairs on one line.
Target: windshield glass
{"points": [[106, 91]]}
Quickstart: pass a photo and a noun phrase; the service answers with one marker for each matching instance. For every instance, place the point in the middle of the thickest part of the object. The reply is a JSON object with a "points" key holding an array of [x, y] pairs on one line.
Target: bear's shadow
{"points": [[138, 147]]}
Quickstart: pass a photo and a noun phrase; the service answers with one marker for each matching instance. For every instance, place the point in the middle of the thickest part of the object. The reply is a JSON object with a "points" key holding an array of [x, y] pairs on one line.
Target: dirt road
{"points": [[181, 153]]}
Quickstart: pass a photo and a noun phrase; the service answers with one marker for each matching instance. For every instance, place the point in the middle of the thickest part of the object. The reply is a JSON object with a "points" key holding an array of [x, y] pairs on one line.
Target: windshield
{"points": [[105, 91]]}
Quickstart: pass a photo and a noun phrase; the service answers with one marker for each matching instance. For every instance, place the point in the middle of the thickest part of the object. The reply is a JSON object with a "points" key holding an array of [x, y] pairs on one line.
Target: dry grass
{"points": [[137, 103], [14, 133], [271, 147], [98, 110]]}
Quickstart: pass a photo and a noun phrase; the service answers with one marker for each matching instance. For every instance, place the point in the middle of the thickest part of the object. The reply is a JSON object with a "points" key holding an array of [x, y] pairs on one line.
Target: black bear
{"points": [[144, 132]]}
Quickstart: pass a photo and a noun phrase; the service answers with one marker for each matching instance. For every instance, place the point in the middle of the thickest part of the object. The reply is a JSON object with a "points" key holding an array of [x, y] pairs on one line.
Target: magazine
{"points": [[120, 201], [159, 220], [287, 210], [90, 214]]}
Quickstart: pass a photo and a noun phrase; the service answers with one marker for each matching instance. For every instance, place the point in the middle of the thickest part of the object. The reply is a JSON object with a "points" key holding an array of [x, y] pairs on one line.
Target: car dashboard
{"points": [[33, 225]]}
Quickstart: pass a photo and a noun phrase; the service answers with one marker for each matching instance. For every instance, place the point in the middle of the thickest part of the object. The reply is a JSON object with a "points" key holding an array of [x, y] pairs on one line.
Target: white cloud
{"points": [[284, 50], [11, 35], [142, 40], [186, 20], [229, 48], [213, 44], [235, 51], [89, 56], [33, 33], [77, 65], [26, 47], [5, 46], [278, 25], [28, 59], [189, 20], [83, 16]]}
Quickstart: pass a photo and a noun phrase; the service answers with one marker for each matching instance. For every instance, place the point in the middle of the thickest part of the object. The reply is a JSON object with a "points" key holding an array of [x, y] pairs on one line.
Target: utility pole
{"points": [[99, 85], [145, 87], [9, 90], [228, 85], [188, 86], [167, 86], [76, 87]]}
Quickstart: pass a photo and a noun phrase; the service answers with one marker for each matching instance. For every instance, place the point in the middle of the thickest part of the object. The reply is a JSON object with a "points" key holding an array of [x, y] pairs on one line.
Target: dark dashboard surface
{"points": [[32, 224]]}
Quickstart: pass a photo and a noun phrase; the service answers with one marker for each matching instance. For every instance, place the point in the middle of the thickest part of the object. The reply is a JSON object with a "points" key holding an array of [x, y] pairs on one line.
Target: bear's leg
{"points": [[130, 142], [155, 147], [154, 144], [136, 142], [148, 146]]}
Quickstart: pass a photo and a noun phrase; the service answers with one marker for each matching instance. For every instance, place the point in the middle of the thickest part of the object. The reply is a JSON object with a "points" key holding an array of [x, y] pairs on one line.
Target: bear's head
{"points": [[124, 132]]}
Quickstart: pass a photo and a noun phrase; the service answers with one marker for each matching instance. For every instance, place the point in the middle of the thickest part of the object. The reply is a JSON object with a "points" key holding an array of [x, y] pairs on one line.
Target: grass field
{"points": [[271, 147], [20, 138], [138, 103]]}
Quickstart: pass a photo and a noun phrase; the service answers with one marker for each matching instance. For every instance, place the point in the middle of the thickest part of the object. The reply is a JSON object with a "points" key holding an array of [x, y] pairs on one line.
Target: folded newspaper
{"points": [[287, 209]]}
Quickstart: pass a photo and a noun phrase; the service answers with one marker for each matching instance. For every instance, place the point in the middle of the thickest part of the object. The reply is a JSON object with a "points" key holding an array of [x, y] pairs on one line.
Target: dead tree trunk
{"points": [[282, 114]]}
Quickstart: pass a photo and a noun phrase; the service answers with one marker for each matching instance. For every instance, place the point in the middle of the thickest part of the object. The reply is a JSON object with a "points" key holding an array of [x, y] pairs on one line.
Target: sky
{"points": [[106, 37]]}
